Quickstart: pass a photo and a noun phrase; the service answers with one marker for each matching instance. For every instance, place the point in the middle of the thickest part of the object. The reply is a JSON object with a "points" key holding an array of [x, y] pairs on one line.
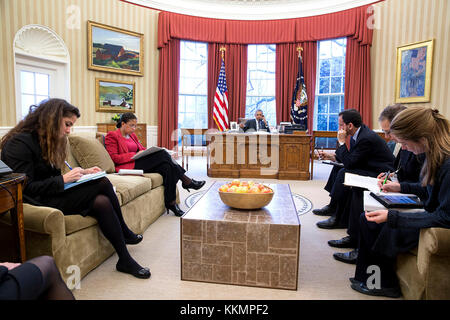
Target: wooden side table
{"points": [[11, 199], [141, 131]]}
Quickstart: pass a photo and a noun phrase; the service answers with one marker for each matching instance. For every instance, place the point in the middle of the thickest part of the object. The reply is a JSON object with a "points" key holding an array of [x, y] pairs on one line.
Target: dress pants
{"points": [[379, 245], [161, 162]]}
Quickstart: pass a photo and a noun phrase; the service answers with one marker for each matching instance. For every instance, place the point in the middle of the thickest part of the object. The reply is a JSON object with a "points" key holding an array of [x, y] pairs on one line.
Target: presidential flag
{"points": [[220, 111], [299, 106]]}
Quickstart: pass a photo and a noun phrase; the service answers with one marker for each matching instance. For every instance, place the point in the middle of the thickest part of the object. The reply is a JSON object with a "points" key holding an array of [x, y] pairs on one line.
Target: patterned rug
{"points": [[302, 204]]}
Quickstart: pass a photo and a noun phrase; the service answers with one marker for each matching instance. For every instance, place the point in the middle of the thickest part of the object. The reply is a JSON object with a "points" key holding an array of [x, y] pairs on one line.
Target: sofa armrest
{"points": [[45, 220], [433, 241]]}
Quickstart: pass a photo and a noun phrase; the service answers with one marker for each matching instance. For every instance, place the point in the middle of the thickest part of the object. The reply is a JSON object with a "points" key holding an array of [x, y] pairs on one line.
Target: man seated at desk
{"points": [[257, 124]]}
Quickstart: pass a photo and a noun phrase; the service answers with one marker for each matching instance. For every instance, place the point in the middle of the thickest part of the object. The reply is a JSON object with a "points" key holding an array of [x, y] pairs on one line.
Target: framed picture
{"points": [[413, 78], [116, 50], [233, 125], [114, 96]]}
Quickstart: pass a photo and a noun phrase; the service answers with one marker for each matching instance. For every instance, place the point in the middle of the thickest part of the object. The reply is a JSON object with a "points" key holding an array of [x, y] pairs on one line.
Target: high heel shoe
{"points": [[175, 209], [193, 185]]}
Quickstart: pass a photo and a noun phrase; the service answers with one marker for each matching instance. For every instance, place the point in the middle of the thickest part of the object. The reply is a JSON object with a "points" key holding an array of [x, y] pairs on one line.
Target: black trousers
{"points": [[161, 162], [341, 195], [379, 245]]}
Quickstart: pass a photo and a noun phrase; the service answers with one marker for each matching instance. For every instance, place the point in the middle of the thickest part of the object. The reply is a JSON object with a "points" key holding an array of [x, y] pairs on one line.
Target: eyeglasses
{"points": [[132, 125]]}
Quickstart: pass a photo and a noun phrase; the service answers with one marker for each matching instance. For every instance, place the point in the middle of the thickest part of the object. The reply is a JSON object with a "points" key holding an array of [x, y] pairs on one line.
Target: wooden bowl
{"points": [[246, 200]]}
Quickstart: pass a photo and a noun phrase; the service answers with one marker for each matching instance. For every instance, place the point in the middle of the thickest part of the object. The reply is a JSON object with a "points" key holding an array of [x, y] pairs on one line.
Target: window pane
{"points": [[323, 104], [324, 68], [335, 104], [336, 84], [27, 82], [333, 123], [322, 122], [27, 101], [325, 49], [324, 84], [42, 84], [336, 66]]}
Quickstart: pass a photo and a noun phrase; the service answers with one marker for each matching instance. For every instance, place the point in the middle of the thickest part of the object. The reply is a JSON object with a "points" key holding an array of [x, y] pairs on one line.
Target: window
{"points": [[193, 95], [261, 82], [329, 99]]}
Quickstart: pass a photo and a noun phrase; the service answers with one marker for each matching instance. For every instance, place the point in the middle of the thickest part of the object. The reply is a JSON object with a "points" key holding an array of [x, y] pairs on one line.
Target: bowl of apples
{"points": [[245, 194]]}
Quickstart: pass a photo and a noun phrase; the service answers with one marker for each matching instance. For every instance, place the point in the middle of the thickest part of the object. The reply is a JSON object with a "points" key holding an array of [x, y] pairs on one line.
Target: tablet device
{"points": [[406, 201]]}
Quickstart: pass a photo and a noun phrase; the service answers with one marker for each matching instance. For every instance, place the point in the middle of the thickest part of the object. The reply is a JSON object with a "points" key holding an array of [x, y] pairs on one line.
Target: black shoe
{"points": [[347, 257], [142, 273], [193, 185], [385, 292], [353, 280], [330, 223], [325, 211], [345, 242], [137, 238], [175, 209]]}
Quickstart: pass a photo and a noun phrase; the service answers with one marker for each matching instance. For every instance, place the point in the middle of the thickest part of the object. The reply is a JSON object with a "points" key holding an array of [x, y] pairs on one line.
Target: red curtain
{"points": [[358, 94], [236, 75], [286, 75], [351, 22], [169, 74]]}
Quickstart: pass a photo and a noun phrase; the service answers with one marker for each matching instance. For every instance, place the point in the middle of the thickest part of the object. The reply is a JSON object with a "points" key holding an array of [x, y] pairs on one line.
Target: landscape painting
{"points": [[114, 50], [414, 63], [114, 96]]}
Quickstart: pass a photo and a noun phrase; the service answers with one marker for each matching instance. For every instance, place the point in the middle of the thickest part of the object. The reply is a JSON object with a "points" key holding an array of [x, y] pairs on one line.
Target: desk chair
{"points": [[187, 149]]}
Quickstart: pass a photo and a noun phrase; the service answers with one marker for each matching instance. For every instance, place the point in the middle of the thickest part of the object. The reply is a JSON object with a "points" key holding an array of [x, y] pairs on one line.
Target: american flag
{"points": [[220, 115]]}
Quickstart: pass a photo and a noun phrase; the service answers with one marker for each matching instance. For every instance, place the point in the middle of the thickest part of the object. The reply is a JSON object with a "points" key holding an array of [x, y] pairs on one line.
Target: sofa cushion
{"points": [[89, 153], [77, 222], [130, 187], [157, 179]]}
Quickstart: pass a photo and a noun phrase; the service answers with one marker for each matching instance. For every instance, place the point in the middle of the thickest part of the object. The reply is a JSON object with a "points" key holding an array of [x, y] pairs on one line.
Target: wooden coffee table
{"points": [[259, 247]]}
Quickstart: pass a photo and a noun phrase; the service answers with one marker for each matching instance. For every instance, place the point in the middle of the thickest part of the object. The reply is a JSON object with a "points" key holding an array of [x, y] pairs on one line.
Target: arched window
{"points": [[42, 67]]}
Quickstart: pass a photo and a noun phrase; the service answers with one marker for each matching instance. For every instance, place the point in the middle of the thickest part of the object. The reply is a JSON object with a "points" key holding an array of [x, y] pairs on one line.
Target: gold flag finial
{"points": [[222, 52], [299, 49]]}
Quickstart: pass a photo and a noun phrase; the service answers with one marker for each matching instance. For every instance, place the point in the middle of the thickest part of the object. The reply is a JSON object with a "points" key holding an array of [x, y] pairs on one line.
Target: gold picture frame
{"points": [[115, 50], [115, 96], [414, 70]]}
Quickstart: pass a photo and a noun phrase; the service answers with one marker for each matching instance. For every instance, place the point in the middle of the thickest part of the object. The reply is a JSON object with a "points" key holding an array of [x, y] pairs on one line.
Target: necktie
{"points": [[352, 143]]}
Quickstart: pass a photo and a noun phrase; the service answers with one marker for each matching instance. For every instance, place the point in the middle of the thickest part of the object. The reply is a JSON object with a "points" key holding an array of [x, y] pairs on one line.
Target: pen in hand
{"points": [[385, 180], [68, 165]]}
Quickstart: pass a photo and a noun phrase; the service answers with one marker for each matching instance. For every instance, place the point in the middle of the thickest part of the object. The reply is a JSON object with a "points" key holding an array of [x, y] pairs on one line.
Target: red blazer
{"points": [[117, 148]]}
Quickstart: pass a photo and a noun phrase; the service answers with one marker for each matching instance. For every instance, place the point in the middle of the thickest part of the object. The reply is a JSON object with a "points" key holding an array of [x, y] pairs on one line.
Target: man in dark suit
{"points": [[259, 123], [368, 156]]}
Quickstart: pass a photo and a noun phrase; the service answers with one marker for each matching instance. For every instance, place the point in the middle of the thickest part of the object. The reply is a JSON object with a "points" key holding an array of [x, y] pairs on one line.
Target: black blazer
{"points": [[23, 154], [409, 166], [370, 153], [251, 124]]}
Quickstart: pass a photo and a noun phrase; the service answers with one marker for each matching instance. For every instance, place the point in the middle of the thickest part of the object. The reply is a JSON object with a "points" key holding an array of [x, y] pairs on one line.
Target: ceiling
{"points": [[251, 9]]}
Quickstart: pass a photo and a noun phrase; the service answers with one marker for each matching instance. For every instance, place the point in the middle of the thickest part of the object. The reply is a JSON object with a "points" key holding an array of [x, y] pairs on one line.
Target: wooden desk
{"points": [[11, 199], [257, 155], [141, 131]]}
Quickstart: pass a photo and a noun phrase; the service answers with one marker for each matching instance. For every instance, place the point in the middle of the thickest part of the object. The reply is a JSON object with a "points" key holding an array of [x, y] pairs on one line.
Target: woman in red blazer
{"points": [[122, 144]]}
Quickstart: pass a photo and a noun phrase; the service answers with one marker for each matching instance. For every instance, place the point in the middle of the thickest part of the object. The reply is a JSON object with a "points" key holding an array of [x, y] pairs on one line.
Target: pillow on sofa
{"points": [[89, 153]]}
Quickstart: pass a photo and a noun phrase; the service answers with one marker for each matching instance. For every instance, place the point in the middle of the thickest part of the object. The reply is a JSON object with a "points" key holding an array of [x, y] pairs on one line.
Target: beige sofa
{"points": [[77, 240], [424, 272]]}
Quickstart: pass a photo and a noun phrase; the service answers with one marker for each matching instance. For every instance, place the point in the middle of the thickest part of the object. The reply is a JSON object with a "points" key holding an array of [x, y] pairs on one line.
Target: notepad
{"points": [[355, 180], [150, 150], [134, 172], [85, 178]]}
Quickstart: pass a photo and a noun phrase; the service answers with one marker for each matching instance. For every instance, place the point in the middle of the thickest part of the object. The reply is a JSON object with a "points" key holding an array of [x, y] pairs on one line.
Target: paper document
{"points": [[135, 172], [355, 180], [151, 150], [85, 178]]}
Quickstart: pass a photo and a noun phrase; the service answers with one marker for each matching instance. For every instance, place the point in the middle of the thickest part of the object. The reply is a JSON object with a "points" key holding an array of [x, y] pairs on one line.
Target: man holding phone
{"points": [[257, 124]]}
